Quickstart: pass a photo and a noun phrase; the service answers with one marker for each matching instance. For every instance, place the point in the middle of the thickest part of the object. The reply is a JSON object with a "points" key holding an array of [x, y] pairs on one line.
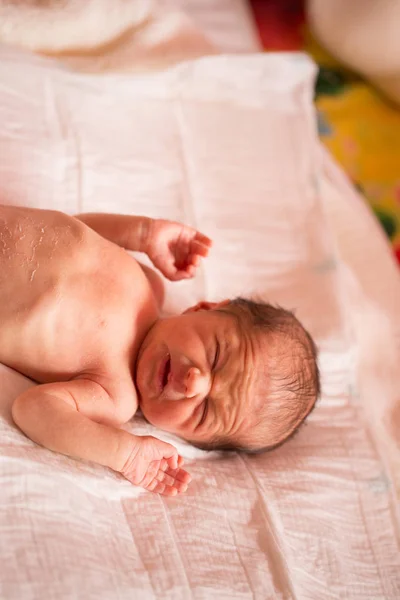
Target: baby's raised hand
{"points": [[156, 466], [176, 249]]}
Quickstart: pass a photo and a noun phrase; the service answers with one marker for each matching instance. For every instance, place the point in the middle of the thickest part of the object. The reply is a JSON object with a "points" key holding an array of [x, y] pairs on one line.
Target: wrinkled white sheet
{"points": [[229, 145]]}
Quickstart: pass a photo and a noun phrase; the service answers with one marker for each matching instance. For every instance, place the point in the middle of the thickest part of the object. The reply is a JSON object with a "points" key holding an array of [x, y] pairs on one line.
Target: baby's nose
{"points": [[196, 383]]}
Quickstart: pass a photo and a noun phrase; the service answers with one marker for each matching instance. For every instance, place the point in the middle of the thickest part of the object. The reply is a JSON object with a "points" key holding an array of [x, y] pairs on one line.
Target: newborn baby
{"points": [[80, 316]]}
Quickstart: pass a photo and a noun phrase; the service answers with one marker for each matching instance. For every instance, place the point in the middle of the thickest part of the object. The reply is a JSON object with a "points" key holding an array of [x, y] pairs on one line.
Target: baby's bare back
{"points": [[69, 299]]}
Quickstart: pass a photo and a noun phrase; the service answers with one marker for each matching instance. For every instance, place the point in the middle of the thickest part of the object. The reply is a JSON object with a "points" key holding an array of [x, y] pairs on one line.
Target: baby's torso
{"points": [[71, 303]]}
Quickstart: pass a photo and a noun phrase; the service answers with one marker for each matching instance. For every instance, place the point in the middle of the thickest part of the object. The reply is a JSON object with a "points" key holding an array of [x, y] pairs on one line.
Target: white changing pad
{"points": [[229, 145]]}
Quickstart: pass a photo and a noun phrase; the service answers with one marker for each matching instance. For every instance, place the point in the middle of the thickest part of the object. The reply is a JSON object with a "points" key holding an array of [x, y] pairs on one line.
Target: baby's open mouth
{"points": [[165, 374]]}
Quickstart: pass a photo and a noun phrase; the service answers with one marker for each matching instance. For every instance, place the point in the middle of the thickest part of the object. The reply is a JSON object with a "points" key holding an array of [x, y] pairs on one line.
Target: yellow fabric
{"points": [[362, 130]]}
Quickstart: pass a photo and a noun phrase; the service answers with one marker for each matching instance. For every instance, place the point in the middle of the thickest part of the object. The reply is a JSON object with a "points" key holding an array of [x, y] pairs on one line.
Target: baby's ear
{"points": [[203, 305]]}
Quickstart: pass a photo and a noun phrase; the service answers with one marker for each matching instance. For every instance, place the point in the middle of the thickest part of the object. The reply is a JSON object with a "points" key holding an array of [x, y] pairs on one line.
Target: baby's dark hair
{"points": [[291, 385]]}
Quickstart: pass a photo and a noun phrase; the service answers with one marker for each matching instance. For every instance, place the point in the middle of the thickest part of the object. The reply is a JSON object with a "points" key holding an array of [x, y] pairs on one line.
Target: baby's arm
{"points": [[175, 249], [79, 418], [127, 231]]}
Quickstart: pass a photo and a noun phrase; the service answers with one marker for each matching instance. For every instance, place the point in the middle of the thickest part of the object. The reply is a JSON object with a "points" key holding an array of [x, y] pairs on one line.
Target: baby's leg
{"points": [[156, 283]]}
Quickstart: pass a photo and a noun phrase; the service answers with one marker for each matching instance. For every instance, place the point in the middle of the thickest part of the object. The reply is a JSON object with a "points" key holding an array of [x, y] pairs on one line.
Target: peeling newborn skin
{"points": [[71, 301]]}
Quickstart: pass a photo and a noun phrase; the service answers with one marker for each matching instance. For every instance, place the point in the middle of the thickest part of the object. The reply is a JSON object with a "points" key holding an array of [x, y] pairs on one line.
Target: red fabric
{"points": [[280, 23]]}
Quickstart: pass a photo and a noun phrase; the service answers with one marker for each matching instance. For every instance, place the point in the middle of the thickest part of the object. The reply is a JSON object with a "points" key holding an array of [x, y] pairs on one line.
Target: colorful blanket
{"points": [[360, 128]]}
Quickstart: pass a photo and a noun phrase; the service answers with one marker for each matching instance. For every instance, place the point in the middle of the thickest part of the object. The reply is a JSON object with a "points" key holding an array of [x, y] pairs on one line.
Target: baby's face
{"points": [[195, 375]]}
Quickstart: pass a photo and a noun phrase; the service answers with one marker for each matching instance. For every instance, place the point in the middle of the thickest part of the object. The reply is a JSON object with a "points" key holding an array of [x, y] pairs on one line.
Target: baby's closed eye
{"points": [[216, 354]]}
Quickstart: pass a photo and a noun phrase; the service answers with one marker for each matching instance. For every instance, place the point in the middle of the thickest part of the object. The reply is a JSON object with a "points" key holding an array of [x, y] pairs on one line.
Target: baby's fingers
{"points": [[168, 474], [177, 273], [194, 259], [203, 239], [179, 475], [170, 481], [170, 459], [177, 478], [186, 273], [158, 487], [200, 248]]}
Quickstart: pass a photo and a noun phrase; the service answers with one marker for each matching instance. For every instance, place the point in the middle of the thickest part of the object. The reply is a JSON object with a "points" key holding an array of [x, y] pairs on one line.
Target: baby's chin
{"points": [[151, 414]]}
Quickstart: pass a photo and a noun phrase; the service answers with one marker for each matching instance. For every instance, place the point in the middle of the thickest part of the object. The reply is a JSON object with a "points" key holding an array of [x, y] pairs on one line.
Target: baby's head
{"points": [[231, 375]]}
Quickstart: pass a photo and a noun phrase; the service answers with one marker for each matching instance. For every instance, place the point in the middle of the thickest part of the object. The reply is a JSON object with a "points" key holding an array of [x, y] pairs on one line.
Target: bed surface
{"points": [[229, 145]]}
